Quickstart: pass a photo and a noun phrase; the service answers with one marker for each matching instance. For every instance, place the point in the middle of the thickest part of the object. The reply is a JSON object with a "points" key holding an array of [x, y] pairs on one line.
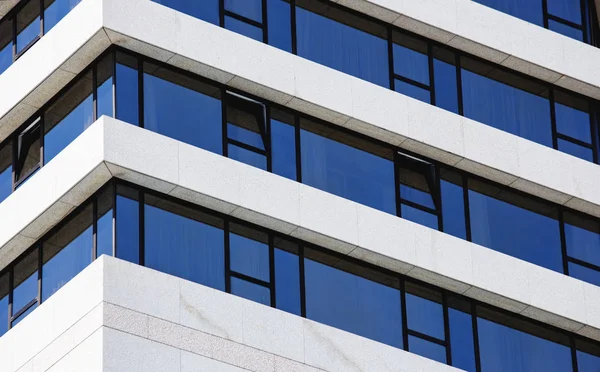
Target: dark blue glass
{"points": [[425, 316], [583, 273], [427, 349], [530, 10], [128, 228], [283, 149], [563, 29], [5, 172], [446, 93], [104, 236], [104, 78], [507, 108], [461, 339], [576, 150], [342, 47], [506, 349], [587, 362], [246, 136], [287, 279], [3, 304], [420, 195], [582, 243], [183, 114], [207, 10], [251, 291], [280, 26], [419, 216], [249, 257], [28, 24], [353, 303], [251, 9], [6, 57], [25, 291], [244, 28], [127, 94], [246, 156], [453, 209], [55, 10], [569, 10], [412, 91], [67, 253], [184, 247], [411, 64], [348, 172], [573, 122], [24, 315], [515, 231]]}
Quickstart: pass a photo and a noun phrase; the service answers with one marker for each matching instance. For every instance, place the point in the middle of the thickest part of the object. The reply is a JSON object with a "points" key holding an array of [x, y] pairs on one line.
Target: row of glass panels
{"points": [[357, 45], [26, 24], [206, 115], [248, 261]]}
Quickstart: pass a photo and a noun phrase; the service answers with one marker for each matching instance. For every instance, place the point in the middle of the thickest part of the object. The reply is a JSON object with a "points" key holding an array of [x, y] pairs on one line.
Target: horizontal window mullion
{"points": [[241, 18], [583, 263], [565, 22], [246, 146], [574, 140], [24, 309], [412, 82], [427, 337], [250, 279], [418, 206]]}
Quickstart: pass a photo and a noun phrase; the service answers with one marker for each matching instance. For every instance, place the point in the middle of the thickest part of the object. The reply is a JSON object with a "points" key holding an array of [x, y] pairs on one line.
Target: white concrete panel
{"points": [[87, 356], [196, 363], [126, 320]]}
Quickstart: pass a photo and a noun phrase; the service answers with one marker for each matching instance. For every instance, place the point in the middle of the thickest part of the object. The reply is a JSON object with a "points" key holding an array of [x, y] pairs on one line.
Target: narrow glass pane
{"points": [[25, 280], [588, 362], [419, 216], [583, 273], [410, 58], [444, 72], [287, 276], [128, 225], [207, 10], [251, 9], [249, 251], [4, 289], [280, 26], [353, 303], [283, 145], [453, 207], [244, 28], [105, 87], [336, 44], [28, 24], [414, 187], [104, 234], [246, 121], [572, 117], [184, 242], [461, 339], [182, 108], [6, 44], [246, 156], [251, 291], [28, 152], [575, 150], [348, 171], [67, 252], [424, 312], [563, 29], [5, 171], [246, 136], [427, 349], [569, 10], [412, 91], [55, 10], [582, 236], [68, 117], [127, 89], [530, 11]]}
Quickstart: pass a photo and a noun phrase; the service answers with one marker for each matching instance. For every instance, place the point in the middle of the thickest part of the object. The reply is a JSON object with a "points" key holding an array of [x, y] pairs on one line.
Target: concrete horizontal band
{"points": [[294, 82], [498, 37], [110, 148], [6, 6], [116, 316]]}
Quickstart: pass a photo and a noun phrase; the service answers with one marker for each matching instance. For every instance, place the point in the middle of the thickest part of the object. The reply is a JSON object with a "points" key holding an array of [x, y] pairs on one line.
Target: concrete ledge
{"points": [[135, 319], [292, 81], [6, 6], [234, 188], [495, 36]]}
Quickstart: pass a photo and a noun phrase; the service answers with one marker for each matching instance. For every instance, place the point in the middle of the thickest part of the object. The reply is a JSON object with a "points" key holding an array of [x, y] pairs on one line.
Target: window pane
{"points": [[515, 230], [461, 339], [572, 117], [280, 29], [4, 289], [444, 71], [128, 225], [246, 156], [127, 89], [246, 136], [414, 187], [347, 171], [353, 303], [104, 235], [424, 315], [28, 151], [182, 108], [283, 144], [184, 242], [24, 315], [412, 91], [453, 208], [563, 29], [410, 58], [5, 171], [6, 44], [583, 273], [68, 117], [565, 9], [25, 280], [575, 150], [244, 28], [251, 9], [587, 362], [498, 99], [207, 10], [67, 252], [530, 10], [342, 47], [28, 24], [582, 236], [105, 87], [427, 349], [249, 251], [419, 216], [55, 10], [251, 291], [287, 276], [246, 121]]}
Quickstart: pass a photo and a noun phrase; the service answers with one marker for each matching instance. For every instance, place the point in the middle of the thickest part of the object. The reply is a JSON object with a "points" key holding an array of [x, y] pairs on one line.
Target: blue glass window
{"points": [[582, 236], [25, 287], [280, 25], [251, 291], [419, 216], [4, 289], [566, 30], [28, 151], [410, 58], [244, 28], [584, 273], [207, 10], [283, 144], [182, 108], [126, 98], [588, 357], [104, 215], [444, 72], [28, 24], [251, 9], [246, 156], [427, 349], [6, 171], [287, 276], [572, 117], [128, 225], [453, 207], [353, 303], [461, 335], [6, 45], [55, 10], [246, 130], [569, 10], [424, 312], [104, 87], [515, 225], [576, 150], [412, 91], [249, 252], [339, 45], [67, 252], [530, 11], [361, 174], [68, 117], [184, 242]]}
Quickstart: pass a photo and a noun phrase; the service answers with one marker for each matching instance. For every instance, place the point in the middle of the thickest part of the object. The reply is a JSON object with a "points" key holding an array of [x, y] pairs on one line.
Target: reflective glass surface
{"points": [[249, 252], [287, 277], [128, 228], [55, 10], [251, 9], [207, 10], [427, 349], [25, 281], [251, 291], [28, 24], [4, 293], [126, 94], [5, 170]]}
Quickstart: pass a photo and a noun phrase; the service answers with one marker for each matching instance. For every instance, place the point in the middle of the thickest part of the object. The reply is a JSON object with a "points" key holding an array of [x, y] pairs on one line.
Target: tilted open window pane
{"points": [[25, 281], [28, 151], [6, 44], [28, 25], [246, 121], [6, 157], [417, 181]]}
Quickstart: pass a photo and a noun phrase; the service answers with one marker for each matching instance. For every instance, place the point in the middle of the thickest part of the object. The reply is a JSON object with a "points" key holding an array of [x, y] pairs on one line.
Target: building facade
{"points": [[299, 185]]}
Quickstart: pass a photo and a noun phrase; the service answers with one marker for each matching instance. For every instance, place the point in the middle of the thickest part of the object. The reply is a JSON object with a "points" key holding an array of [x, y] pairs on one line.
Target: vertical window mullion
{"points": [[593, 109], [553, 118], [42, 131], [222, 13], [39, 272], [467, 212], [114, 83], [438, 194], [114, 220], [298, 148], [404, 313], [475, 336], [41, 18], [268, 139], [95, 92], [302, 274], [265, 24], [227, 258], [14, 32], [142, 243], [397, 184], [141, 92], [272, 271], [459, 86], [573, 353], [294, 27], [95, 229], [447, 328], [584, 10], [563, 241], [391, 59], [431, 74], [11, 284], [545, 13], [224, 122]]}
